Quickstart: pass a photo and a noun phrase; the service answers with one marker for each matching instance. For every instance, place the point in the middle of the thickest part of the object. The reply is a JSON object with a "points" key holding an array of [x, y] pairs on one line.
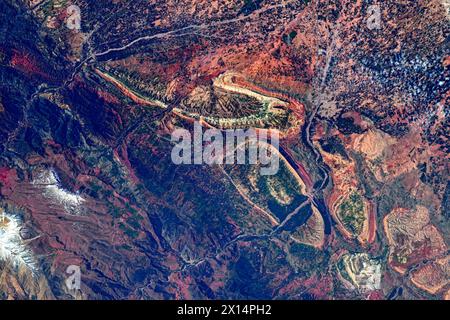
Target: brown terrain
{"points": [[358, 210]]}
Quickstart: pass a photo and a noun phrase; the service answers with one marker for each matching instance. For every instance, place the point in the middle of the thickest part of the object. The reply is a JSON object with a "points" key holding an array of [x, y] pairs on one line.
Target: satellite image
{"points": [[224, 150]]}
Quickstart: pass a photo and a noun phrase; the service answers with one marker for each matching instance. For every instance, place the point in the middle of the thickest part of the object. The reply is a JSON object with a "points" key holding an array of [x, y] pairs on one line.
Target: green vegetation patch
{"points": [[351, 212], [307, 260]]}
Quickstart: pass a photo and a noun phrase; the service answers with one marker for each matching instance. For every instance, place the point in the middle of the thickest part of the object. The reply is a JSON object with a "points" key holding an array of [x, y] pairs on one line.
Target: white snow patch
{"points": [[71, 202], [12, 246]]}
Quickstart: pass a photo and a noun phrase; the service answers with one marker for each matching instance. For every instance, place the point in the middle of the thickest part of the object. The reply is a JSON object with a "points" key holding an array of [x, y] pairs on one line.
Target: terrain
{"points": [[357, 90]]}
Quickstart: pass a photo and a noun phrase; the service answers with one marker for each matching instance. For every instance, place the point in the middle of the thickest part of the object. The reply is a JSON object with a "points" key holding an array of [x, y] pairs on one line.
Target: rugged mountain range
{"points": [[91, 91]]}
